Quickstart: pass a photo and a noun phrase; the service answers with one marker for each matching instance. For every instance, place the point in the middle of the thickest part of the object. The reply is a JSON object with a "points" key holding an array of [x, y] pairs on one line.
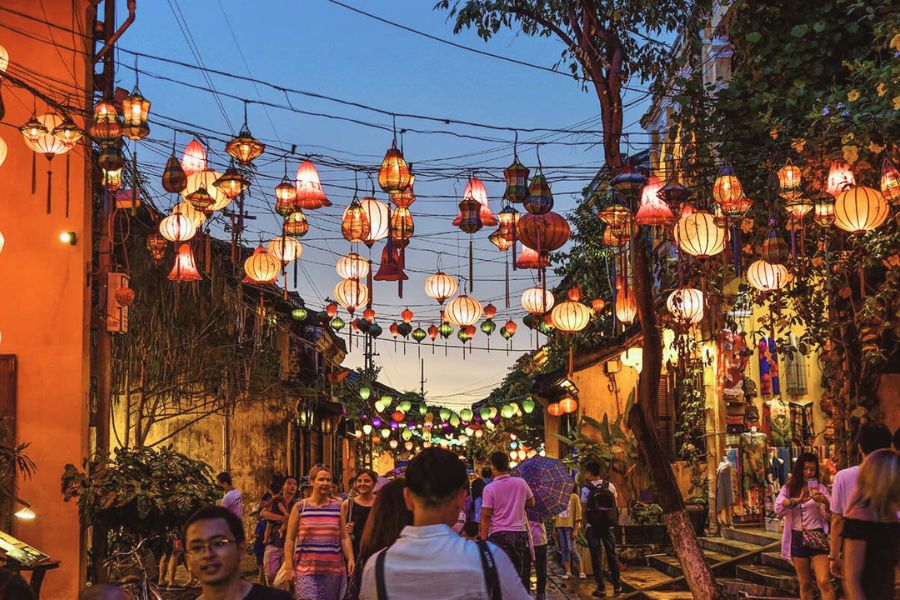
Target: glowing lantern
{"points": [[537, 300], [295, 224], [112, 180], [337, 323], [633, 357], [568, 405], [860, 209], [554, 409], [352, 266], [369, 315], [394, 175], [544, 232], [798, 207], [445, 329], [674, 194], [105, 124], [394, 329], [184, 268], [285, 197], [530, 259], [774, 249], [285, 248], [202, 192], [789, 182], [840, 177], [685, 304], [177, 228], [193, 160], [890, 182], [351, 294], [463, 310], [299, 314], [261, 267], [186, 209], [406, 315], [156, 244], [135, 112], [516, 177], [626, 305], [419, 334], [619, 221], [699, 235], [310, 194], [231, 183], [402, 226], [355, 224], [528, 405], [598, 304], [331, 309], [67, 132], [500, 239], [507, 411], [174, 179], [824, 207], [432, 332], [653, 211], [405, 198], [488, 327], [766, 276], [3, 151], [540, 198], [475, 189], [729, 193], [570, 316], [378, 214], [244, 148]]}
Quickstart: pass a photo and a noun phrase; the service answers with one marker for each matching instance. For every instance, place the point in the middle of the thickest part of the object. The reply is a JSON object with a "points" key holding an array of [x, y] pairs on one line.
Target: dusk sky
{"points": [[321, 47]]}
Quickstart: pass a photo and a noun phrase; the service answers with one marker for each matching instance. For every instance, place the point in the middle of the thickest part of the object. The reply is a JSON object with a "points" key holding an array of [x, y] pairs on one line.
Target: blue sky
{"points": [[317, 46]]}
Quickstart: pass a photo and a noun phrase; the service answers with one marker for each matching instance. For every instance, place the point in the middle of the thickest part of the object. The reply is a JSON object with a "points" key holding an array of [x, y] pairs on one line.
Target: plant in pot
{"points": [[645, 527], [140, 493]]}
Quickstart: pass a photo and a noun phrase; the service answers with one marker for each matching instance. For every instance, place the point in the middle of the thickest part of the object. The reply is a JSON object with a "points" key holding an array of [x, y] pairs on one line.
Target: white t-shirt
{"points": [[586, 492], [233, 501], [843, 489]]}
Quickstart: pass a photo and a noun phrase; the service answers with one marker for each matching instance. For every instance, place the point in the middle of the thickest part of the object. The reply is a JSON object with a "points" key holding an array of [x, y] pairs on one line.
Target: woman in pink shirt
{"points": [[803, 502]]}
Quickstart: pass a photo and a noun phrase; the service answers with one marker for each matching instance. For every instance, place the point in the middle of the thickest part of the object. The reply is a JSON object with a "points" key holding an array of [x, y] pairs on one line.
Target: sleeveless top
{"points": [[318, 544], [359, 514]]}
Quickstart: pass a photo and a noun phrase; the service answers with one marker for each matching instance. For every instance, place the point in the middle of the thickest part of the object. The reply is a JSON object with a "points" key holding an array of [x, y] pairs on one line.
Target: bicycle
{"points": [[130, 575]]}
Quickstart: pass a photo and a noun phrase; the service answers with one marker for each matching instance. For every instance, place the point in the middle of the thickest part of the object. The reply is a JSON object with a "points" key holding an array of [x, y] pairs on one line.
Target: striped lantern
{"points": [[685, 304], [765, 276], [860, 209], [698, 234], [285, 248], [261, 267], [463, 311], [174, 179]]}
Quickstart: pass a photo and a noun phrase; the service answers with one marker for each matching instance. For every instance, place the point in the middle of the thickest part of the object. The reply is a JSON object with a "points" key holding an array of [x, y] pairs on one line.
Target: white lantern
{"points": [[285, 248], [177, 228], [766, 276], [686, 305]]}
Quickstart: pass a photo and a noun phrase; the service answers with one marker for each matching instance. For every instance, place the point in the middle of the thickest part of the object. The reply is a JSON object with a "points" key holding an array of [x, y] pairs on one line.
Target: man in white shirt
{"points": [[430, 561], [600, 525], [871, 437], [232, 500]]}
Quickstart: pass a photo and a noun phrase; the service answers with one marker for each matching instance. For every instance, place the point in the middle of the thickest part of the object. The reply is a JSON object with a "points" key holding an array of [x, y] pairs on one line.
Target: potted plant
{"points": [[645, 528], [140, 493]]}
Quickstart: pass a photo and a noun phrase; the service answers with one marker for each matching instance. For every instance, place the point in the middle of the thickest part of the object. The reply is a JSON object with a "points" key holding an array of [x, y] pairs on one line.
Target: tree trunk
{"points": [[697, 573]]}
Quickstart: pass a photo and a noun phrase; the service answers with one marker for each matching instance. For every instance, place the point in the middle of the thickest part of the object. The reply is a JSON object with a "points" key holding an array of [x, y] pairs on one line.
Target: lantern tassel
{"points": [[793, 240], [471, 267], [207, 254], [506, 266], [49, 186], [284, 273], [33, 173], [134, 180], [571, 359], [68, 169], [736, 249]]}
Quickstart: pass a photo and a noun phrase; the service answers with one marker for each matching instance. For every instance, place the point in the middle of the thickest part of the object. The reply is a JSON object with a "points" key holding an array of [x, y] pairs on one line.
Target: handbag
{"points": [[285, 577], [814, 540]]}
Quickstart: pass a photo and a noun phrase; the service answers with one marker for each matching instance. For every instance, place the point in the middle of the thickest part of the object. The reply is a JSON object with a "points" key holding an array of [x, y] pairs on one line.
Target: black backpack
{"points": [[601, 511]]}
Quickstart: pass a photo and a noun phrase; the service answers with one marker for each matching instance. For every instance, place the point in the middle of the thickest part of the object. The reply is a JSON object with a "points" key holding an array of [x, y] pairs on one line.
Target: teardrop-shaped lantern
{"points": [[174, 179], [394, 175], [310, 194], [352, 266], [295, 224], [626, 305], [440, 286], [184, 268], [261, 267], [402, 226], [653, 211], [540, 198], [355, 223], [194, 158]]}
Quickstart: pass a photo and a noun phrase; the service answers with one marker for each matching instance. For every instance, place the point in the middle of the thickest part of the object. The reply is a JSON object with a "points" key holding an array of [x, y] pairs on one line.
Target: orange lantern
{"points": [[626, 305], [261, 267], [295, 224], [619, 221], [490, 311], [537, 300], [135, 112], [728, 192], [554, 409], [231, 183], [530, 259], [394, 175], [194, 158], [244, 148], [501, 240], [890, 182], [840, 177], [405, 198], [177, 228], [511, 328], [184, 268], [105, 125], [407, 315], [568, 405], [351, 294], [310, 194], [378, 214], [598, 304], [698, 234], [369, 315], [331, 310], [860, 209], [765, 276], [653, 210], [440, 286], [685, 304], [544, 232], [789, 178], [402, 226], [475, 189], [285, 197], [352, 266], [355, 224], [463, 310]]}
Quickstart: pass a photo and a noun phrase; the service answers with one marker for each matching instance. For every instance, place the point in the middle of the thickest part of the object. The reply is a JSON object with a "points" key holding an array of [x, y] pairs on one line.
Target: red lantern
{"points": [[511, 327], [475, 189], [407, 315], [355, 224], [432, 332], [296, 224], [405, 198], [653, 211], [529, 259], [598, 304], [490, 311], [184, 268], [397, 416], [369, 315], [390, 268], [890, 182], [394, 329], [554, 409], [568, 405], [310, 194], [543, 232]]}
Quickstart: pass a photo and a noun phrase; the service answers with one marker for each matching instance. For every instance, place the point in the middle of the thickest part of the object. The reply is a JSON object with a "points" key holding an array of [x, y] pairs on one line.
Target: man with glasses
{"points": [[214, 544]]}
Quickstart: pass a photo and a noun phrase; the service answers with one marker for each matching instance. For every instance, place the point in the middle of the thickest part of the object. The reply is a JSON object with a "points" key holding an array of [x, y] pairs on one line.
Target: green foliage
{"points": [[646, 514], [140, 493]]}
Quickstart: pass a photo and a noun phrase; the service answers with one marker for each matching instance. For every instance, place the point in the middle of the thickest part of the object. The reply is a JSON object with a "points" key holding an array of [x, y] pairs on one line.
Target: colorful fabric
{"points": [[314, 586], [753, 476], [768, 367], [795, 364], [802, 422], [318, 545], [732, 361], [780, 422]]}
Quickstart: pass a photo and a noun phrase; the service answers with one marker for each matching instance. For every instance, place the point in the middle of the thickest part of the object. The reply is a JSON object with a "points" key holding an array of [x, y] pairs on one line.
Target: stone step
{"points": [[769, 576], [743, 588], [756, 535], [726, 546], [774, 559], [667, 595], [670, 565]]}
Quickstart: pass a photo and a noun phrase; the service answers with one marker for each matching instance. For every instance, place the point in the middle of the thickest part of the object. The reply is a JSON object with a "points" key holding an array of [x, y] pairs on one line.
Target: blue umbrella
{"points": [[551, 484]]}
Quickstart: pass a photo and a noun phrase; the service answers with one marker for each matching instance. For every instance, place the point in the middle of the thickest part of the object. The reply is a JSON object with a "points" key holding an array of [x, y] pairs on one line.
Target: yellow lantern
{"points": [[765, 276], [177, 228], [567, 405], [187, 209], [352, 266], [727, 189], [205, 180], [798, 207], [105, 124], [860, 209], [570, 316], [285, 248], [112, 180], [135, 111], [285, 197], [685, 304], [789, 182], [626, 305], [351, 294], [295, 224], [261, 267], [440, 286], [698, 234], [633, 357], [890, 181], [824, 214], [3, 151], [393, 176], [463, 311], [537, 300], [355, 224]]}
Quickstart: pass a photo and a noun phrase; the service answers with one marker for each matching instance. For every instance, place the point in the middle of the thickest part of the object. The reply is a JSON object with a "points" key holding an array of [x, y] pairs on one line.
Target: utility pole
{"points": [[422, 379]]}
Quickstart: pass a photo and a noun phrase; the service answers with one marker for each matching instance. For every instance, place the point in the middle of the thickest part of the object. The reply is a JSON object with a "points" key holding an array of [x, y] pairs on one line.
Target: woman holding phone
{"points": [[803, 502]]}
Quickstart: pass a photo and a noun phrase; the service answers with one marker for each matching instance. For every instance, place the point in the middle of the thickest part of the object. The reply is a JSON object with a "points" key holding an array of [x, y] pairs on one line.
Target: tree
{"points": [[605, 43]]}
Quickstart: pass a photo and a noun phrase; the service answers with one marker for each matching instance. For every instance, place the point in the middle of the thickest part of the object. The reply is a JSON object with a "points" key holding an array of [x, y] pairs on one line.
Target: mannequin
{"points": [[724, 494]]}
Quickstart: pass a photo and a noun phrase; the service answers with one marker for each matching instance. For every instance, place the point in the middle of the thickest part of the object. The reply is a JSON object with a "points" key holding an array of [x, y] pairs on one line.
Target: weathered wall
{"points": [[44, 304]]}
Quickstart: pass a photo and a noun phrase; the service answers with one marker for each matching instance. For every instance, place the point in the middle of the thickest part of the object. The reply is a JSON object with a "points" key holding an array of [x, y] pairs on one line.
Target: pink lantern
{"points": [[194, 158], [653, 210]]}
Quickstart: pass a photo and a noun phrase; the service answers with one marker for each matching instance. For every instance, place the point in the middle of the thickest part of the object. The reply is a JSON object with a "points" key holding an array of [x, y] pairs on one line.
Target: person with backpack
{"points": [[429, 561], [601, 515]]}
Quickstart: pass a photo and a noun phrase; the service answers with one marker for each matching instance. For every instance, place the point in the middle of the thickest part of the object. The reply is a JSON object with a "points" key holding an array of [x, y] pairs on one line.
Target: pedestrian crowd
{"points": [[434, 534]]}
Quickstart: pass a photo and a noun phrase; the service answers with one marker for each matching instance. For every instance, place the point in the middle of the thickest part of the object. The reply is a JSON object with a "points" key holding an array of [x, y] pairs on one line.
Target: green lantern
{"points": [[466, 414], [423, 409], [337, 323], [505, 333], [454, 420], [507, 411], [365, 392], [404, 406], [485, 413], [463, 336], [446, 330], [488, 327], [299, 314], [419, 334], [445, 413], [375, 330], [528, 405], [546, 328], [380, 405], [387, 400], [406, 435]]}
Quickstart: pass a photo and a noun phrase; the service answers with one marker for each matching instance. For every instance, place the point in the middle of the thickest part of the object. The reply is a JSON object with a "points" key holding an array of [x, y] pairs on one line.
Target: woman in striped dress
{"points": [[316, 544]]}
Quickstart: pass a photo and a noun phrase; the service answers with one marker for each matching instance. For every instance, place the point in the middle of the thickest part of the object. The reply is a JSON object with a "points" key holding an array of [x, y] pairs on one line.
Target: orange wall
{"points": [[44, 303]]}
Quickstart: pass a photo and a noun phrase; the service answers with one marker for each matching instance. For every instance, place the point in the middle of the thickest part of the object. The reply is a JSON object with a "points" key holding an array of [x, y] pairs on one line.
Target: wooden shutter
{"points": [[665, 415]]}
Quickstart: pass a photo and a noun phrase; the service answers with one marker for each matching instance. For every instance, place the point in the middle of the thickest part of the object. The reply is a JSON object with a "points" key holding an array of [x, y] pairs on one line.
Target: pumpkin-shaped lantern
{"points": [[685, 304], [352, 266], [537, 300], [860, 209], [543, 232], [177, 228], [766, 276], [698, 234], [261, 267], [351, 294], [285, 248], [440, 286], [463, 310]]}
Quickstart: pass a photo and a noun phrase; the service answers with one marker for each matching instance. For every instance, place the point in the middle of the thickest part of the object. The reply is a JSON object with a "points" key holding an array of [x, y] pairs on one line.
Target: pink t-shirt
{"points": [[506, 496]]}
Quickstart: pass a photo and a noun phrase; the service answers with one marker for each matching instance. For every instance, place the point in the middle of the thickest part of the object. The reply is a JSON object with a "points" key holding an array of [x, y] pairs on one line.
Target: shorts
{"points": [[798, 550]]}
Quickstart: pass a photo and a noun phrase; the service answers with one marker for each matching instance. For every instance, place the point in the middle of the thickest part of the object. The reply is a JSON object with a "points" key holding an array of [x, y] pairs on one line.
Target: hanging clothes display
{"points": [[753, 476], [769, 383], [795, 367], [732, 361], [802, 421], [724, 493], [734, 457], [779, 422]]}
